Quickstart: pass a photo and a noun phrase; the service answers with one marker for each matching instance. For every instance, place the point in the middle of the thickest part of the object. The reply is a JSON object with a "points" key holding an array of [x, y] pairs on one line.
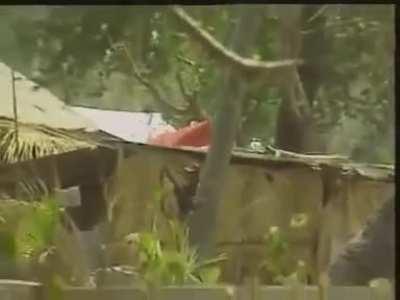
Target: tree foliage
{"points": [[68, 49]]}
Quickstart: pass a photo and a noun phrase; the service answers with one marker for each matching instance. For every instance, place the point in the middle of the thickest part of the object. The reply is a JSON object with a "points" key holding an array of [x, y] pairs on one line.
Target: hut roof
{"points": [[135, 127], [36, 105], [45, 124], [39, 111]]}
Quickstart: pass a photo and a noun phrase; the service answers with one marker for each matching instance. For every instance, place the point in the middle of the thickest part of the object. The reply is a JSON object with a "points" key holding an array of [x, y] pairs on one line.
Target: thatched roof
{"points": [[46, 125], [36, 141]]}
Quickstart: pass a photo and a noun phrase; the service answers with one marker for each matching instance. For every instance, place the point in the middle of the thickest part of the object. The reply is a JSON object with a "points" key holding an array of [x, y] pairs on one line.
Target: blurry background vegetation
{"points": [[141, 59], [348, 72]]}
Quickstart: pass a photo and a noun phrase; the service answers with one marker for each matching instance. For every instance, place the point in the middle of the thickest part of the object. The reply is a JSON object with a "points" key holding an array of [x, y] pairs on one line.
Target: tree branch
{"points": [[162, 102], [157, 96], [185, 94], [275, 71], [191, 99]]}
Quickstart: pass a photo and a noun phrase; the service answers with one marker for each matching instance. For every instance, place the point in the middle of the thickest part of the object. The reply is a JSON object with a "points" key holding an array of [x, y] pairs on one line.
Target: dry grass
{"points": [[36, 141]]}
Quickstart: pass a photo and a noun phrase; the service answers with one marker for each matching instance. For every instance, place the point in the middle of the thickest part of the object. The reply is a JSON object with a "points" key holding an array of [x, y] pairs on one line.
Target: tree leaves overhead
{"points": [[66, 50]]}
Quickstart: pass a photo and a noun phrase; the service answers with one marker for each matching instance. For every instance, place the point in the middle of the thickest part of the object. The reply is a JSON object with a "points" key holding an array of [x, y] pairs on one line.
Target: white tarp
{"points": [[134, 127]]}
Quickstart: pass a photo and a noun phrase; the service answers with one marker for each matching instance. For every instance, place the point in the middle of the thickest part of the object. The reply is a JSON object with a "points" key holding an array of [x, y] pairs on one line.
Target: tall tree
{"points": [[224, 130], [294, 107], [236, 70]]}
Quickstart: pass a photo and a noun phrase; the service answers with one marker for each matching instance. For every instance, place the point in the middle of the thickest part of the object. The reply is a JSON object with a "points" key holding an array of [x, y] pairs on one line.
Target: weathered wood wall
{"points": [[259, 193], [16, 290]]}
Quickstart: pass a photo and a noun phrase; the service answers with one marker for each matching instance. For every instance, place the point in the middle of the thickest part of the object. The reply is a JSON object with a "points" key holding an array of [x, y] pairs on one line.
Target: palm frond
{"points": [[36, 141]]}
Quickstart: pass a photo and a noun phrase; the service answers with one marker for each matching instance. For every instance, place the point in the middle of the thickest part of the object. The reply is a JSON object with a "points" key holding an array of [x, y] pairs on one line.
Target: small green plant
{"points": [[173, 264], [36, 246], [276, 247], [27, 230], [277, 256], [36, 230]]}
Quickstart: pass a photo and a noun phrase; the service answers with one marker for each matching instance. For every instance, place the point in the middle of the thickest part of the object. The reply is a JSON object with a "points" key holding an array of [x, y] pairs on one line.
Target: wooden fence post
{"points": [[20, 290], [251, 288]]}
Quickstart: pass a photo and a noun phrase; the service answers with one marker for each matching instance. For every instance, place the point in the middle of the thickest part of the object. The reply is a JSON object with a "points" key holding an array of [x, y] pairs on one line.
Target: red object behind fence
{"points": [[194, 135]]}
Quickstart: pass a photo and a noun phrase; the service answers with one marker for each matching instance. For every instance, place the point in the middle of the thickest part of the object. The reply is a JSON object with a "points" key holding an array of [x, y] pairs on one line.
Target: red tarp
{"points": [[194, 135]]}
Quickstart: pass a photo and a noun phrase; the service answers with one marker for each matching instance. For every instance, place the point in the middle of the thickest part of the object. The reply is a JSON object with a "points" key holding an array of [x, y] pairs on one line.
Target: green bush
{"points": [[173, 264]]}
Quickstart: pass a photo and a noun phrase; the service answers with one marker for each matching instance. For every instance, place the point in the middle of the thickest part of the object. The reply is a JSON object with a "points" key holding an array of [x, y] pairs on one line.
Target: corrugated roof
{"points": [[37, 105], [133, 127]]}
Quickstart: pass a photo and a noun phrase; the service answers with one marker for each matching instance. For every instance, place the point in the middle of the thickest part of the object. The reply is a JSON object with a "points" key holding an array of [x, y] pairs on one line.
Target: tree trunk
{"points": [[390, 130], [296, 130], [224, 131], [290, 123]]}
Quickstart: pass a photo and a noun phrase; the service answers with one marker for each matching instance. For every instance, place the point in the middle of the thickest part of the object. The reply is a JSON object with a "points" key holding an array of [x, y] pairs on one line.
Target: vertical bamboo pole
{"points": [[15, 112]]}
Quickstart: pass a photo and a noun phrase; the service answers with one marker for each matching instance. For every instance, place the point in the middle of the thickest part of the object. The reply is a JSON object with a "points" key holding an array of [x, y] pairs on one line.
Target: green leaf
{"points": [[36, 230], [209, 275]]}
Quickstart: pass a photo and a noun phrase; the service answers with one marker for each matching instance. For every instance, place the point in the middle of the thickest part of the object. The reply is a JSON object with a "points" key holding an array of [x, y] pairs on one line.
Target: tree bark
{"points": [[296, 130], [315, 47], [224, 130], [291, 124]]}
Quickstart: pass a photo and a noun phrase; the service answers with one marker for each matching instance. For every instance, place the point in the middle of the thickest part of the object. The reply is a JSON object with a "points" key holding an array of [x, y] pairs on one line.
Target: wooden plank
{"points": [[285, 293], [195, 293], [349, 293], [20, 290], [23, 290], [311, 293], [119, 293]]}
